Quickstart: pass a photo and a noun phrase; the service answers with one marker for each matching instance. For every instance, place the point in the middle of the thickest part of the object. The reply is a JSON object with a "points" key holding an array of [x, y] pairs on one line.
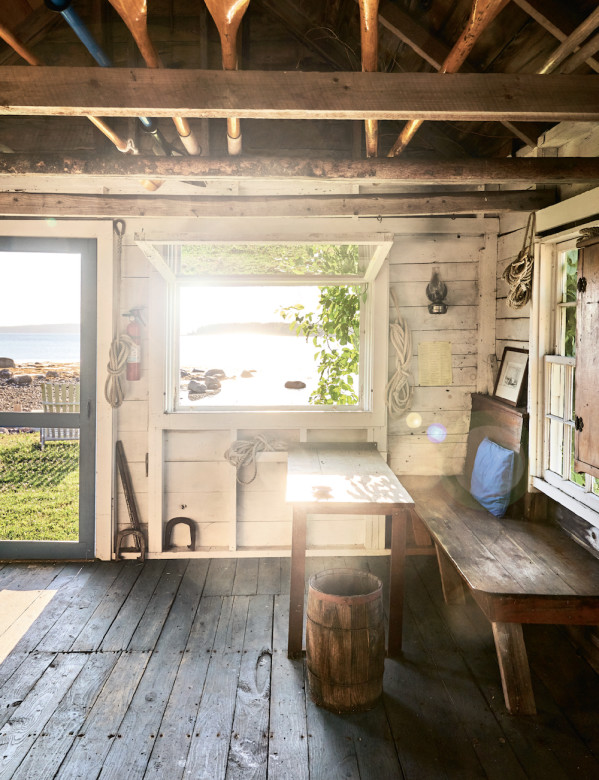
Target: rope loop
{"points": [[399, 391], [114, 391], [518, 274], [243, 453]]}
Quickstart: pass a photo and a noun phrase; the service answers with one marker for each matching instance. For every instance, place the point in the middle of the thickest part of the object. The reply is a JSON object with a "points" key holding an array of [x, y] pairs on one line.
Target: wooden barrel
{"points": [[345, 640]]}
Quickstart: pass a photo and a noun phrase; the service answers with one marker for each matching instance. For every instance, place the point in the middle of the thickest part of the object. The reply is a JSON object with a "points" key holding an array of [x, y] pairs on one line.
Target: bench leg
{"points": [[297, 584], [514, 669], [452, 584]]}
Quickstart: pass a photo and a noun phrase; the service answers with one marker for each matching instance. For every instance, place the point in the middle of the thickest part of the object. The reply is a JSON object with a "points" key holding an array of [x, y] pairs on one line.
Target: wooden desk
{"points": [[343, 478]]}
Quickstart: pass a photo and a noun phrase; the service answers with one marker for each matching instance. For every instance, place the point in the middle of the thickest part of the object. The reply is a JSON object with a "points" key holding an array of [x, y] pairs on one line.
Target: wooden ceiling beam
{"points": [[294, 95], [123, 206], [435, 52], [469, 171], [557, 18]]}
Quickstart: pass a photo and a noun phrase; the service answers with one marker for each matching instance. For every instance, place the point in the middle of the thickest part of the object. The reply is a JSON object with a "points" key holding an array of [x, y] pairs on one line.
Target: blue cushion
{"points": [[491, 481]]}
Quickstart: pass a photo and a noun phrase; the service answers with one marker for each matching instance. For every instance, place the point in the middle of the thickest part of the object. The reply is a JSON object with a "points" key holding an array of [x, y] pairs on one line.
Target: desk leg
{"points": [[296, 587], [399, 519]]}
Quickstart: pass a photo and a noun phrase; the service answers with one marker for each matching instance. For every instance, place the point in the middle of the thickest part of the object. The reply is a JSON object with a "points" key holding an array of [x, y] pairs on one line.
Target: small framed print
{"points": [[513, 373]]}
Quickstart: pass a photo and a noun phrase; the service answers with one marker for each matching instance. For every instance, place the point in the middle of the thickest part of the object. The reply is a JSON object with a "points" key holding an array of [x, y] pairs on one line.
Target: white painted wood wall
{"points": [[248, 520]]}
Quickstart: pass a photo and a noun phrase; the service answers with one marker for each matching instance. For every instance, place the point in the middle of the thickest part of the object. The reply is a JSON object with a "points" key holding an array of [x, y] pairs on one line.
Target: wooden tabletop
{"points": [[348, 474]]}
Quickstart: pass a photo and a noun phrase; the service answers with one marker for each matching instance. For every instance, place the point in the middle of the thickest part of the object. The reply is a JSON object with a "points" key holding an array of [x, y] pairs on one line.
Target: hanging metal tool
{"points": [[227, 15], [369, 21], [127, 147], [134, 13], [64, 8]]}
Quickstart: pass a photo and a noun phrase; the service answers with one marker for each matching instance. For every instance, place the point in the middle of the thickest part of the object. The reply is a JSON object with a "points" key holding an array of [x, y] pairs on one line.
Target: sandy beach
{"points": [[27, 398]]}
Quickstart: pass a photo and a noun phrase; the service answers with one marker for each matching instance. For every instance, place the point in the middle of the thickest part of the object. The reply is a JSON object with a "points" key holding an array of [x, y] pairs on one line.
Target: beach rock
{"points": [[216, 372], [248, 374], [196, 387], [295, 385], [22, 380], [7, 362], [39, 377], [212, 383], [4, 430], [51, 374], [184, 373], [5, 373]]}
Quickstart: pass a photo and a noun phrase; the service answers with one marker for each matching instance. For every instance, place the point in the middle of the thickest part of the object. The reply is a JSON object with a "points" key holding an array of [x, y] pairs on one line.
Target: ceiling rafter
{"points": [[470, 171], [128, 92]]}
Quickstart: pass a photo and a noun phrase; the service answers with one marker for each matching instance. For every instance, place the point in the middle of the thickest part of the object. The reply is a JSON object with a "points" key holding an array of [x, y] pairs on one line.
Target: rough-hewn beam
{"points": [[556, 17], [294, 95], [30, 205], [533, 170]]}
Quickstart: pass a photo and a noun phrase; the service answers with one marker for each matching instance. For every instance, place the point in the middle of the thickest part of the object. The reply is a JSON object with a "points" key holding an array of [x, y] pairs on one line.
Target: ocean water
{"points": [[40, 347]]}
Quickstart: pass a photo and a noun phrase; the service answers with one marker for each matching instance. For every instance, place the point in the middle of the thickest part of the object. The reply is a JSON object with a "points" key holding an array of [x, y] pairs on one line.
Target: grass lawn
{"points": [[39, 489]]}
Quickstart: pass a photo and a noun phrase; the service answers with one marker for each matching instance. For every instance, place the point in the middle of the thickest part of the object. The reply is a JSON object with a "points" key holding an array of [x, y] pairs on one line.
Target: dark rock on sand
{"points": [[295, 385]]}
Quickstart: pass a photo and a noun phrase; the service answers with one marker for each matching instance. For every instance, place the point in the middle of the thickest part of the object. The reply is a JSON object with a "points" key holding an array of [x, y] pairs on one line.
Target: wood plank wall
{"points": [[512, 325], [200, 483]]}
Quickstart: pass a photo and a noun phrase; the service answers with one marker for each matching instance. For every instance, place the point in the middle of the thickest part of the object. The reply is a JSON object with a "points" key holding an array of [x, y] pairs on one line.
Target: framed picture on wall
{"points": [[513, 373]]}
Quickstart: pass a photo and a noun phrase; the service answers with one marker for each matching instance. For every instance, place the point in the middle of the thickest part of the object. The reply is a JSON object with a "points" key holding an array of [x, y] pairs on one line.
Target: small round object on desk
{"points": [[345, 640]]}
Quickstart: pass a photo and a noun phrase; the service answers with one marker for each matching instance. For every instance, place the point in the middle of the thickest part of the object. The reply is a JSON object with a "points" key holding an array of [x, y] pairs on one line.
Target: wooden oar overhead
{"points": [[135, 15], [482, 14], [227, 16], [369, 19], [19, 47]]}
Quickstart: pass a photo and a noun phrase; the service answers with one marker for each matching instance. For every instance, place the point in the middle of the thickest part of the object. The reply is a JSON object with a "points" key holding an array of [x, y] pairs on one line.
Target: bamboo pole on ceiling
{"points": [[227, 16], [134, 13], [482, 14], [369, 13], [122, 145], [567, 46]]}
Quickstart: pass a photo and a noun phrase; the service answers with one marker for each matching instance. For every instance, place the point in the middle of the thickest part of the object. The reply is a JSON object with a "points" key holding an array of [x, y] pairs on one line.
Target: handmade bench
{"points": [[518, 571], [344, 479]]}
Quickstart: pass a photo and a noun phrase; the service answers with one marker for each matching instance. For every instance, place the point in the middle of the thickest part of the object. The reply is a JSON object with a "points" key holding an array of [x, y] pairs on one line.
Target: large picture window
{"points": [[267, 327]]}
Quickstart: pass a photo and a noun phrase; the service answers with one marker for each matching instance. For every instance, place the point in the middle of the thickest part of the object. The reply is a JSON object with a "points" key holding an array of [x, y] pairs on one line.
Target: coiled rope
{"points": [[243, 453], [399, 391], [114, 390], [518, 274]]}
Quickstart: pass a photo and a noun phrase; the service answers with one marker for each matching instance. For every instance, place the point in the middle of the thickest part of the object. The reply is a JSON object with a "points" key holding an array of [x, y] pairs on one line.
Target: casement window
{"points": [[562, 317], [275, 327]]}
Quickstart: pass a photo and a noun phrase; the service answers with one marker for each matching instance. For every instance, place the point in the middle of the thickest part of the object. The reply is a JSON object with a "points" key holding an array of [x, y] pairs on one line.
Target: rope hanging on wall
{"points": [[243, 453], [398, 391], [518, 273], [114, 390]]}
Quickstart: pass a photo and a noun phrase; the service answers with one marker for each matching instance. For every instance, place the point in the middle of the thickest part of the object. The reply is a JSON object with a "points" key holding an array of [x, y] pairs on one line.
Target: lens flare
{"points": [[413, 420], [436, 433], [51, 222]]}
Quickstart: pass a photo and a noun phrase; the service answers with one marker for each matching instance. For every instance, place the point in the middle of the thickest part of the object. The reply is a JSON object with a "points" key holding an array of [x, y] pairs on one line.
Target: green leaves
{"points": [[335, 328]]}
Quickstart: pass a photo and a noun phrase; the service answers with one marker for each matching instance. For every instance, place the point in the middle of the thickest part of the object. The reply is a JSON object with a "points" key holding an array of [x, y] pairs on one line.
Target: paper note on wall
{"points": [[434, 363]]}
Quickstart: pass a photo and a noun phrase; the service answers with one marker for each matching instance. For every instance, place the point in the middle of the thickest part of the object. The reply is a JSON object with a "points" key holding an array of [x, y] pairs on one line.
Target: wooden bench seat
{"points": [[518, 571]]}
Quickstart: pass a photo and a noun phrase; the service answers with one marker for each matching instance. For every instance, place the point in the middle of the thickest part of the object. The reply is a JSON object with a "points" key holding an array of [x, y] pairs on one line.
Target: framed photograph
{"points": [[513, 373]]}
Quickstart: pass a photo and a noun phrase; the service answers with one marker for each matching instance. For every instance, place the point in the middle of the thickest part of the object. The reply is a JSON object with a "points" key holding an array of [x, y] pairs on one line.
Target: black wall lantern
{"points": [[436, 290]]}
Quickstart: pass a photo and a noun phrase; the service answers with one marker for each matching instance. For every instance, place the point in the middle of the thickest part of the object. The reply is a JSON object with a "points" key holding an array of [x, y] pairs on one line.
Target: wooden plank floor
{"points": [[178, 669]]}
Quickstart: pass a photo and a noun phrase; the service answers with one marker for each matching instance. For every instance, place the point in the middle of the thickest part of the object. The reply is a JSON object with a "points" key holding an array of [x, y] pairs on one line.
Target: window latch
{"points": [[581, 285], [578, 423]]}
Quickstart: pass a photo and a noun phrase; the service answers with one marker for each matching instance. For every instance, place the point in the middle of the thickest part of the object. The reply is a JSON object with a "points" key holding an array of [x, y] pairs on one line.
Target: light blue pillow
{"points": [[491, 481]]}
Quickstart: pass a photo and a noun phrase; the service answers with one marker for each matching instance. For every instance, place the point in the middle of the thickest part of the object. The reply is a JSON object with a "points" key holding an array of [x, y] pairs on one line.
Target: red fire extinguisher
{"points": [[134, 332]]}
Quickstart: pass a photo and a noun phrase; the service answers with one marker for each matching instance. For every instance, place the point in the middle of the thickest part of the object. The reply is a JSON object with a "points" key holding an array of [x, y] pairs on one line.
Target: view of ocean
{"points": [[42, 347]]}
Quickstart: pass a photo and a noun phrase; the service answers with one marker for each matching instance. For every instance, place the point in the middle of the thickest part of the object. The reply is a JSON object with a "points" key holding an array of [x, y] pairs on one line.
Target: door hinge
{"points": [[578, 423], [581, 285]]}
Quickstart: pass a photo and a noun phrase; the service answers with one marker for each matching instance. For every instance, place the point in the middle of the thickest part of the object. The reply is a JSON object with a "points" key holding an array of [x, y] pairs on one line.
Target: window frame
{"points": [[374, 321], [547, 339]]}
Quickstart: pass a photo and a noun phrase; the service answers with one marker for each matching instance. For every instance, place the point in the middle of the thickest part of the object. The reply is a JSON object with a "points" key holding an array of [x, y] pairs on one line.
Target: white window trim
{"points": [[374, 416], [542, 342]]}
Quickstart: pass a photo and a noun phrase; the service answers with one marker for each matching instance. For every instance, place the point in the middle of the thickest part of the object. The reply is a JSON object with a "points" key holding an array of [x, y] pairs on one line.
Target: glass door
{"points": [[47, 398]]}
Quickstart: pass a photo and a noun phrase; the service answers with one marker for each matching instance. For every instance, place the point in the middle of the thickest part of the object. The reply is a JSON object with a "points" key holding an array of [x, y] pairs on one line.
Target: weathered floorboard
{"points": [[200, 686]]}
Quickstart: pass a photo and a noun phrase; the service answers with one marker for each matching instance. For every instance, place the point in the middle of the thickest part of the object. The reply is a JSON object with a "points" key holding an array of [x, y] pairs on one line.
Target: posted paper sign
{"points": [[434, 363]]}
